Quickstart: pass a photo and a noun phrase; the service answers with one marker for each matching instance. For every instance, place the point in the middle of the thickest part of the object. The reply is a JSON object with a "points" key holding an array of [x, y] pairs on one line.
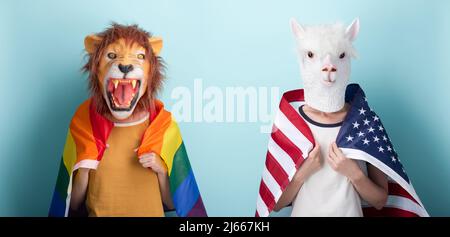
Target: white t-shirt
{"points": [[326, 192]]}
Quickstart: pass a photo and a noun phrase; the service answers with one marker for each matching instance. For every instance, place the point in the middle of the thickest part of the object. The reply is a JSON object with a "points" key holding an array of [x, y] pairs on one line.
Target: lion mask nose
{"points": [[125, 68]]}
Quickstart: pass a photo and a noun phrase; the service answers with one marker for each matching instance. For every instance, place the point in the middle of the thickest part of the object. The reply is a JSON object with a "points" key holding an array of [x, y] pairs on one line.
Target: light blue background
{"points": [[403, 66]]}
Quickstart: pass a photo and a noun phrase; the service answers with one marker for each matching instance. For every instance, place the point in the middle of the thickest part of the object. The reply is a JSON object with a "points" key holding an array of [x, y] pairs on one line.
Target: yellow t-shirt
{"points": [[121, 186]]}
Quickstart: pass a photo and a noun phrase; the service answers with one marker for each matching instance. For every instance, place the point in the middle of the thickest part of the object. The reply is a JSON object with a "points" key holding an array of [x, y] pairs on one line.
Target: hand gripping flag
{"points": [[86, 142], [361, 137]]}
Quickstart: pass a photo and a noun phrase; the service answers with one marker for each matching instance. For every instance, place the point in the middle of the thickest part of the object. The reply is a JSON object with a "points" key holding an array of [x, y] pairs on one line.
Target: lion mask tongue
{"points": [[123, 93]]}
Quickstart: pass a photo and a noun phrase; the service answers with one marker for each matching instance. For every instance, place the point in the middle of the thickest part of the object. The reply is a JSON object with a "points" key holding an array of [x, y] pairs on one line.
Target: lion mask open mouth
{"points": [[122, 93]]}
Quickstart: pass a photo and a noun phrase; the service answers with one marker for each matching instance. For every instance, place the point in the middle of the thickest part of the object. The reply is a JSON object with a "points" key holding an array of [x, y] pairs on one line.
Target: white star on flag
{"points": [[380, 128], [385, 138], [365, 141], [393, 158], [362, 111], [375, 118], [380, 149], [366, 122], [360, 134], [376, 139], [349, 138], [371, 129], [355, 124], [389, 148]]}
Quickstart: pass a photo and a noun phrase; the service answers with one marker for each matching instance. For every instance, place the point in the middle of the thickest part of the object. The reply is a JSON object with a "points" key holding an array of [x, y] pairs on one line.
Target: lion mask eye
{"points": [[141, 56], [111, 55]]}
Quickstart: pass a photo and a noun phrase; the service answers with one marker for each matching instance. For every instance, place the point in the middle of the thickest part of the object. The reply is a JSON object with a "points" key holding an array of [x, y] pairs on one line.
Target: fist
{"points": [[342, 164], [311, 165], [154, 162]]}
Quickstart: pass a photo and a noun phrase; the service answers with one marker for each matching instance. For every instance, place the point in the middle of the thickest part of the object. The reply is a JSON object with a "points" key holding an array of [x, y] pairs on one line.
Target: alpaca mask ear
{"points": [[297, 29], [157, 44], [352, 30], [91, 43]]}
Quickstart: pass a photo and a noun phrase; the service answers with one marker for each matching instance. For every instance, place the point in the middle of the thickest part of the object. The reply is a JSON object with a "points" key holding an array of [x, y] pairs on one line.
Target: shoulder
{"points": [[84, 106], [294, 95], [82, 112]]}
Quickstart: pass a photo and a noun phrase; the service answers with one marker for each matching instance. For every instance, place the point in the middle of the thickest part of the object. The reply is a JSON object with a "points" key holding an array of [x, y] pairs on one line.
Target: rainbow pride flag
{"points": [[86, 143]]}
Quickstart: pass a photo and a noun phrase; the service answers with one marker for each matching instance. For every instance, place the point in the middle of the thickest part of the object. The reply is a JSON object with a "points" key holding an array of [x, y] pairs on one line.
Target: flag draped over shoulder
{"points": [[86, 143], [361, 137]]}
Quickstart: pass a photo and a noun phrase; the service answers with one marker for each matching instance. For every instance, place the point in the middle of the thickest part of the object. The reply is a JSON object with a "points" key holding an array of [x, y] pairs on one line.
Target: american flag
{"points": [[361, 137]]}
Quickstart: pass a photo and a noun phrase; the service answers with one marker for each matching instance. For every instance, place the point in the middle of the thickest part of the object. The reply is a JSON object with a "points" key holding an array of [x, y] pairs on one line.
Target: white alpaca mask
{"points": [[324, 56]]}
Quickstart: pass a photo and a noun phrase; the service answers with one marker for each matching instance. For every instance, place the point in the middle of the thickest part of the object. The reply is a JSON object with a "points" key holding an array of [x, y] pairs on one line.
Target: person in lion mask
{"points": [[124, 155]]}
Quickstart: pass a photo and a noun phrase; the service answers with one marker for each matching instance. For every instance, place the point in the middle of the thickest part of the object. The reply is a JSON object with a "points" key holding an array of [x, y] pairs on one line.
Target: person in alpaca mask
{"points": [[328, 154]]}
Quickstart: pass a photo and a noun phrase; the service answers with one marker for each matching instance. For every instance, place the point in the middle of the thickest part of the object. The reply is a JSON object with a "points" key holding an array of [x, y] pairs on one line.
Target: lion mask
{"points": [[125, 71]]}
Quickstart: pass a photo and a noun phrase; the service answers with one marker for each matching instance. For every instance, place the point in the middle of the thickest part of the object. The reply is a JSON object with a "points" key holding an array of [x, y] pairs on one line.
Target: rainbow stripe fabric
{"points": [[86, 143]]}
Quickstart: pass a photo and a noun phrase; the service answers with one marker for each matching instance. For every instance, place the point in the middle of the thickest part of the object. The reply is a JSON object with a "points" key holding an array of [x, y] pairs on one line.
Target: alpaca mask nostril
{"points": [[327, 69]]}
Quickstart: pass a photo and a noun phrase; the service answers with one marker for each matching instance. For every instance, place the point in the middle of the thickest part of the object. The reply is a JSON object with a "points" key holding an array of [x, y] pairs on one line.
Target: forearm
{"points": [[291, 191], [374, 194], [164, 187], [79, 188]]}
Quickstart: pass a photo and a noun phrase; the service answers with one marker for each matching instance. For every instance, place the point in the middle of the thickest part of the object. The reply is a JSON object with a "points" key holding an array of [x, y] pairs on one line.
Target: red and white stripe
{"points": [[402, 198], [289, 144]]}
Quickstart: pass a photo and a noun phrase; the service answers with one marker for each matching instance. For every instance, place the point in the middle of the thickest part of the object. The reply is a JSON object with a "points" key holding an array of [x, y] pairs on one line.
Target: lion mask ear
{"points": [[91, 43], [157, 44]]}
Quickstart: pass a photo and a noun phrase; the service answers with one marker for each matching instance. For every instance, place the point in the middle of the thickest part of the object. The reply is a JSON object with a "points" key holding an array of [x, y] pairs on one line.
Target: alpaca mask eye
{"points": [[310, 54], [141, 56], [112, 55], [342, 56]]}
